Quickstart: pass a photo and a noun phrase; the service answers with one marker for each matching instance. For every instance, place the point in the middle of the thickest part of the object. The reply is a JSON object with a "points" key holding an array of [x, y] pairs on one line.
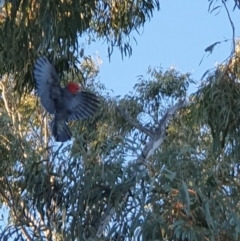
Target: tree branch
{"points": [[26, 234], [160, 134], [134, 123], [35, 222], [232, 25], [4, 97], [13, 207], [156, 139], [107, 217]]}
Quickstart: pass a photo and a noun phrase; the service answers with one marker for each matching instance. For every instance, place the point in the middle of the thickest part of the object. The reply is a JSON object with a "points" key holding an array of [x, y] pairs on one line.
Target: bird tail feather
{"points": [[60, 131]]}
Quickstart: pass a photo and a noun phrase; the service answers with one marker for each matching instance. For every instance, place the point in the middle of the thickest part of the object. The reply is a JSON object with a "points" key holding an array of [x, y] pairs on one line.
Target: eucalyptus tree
{"points": [[60, 29], [94, 187]]}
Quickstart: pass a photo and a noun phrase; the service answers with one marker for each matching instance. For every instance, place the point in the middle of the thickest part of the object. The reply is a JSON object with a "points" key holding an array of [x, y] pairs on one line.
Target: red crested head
{"points": [[73, 87]]}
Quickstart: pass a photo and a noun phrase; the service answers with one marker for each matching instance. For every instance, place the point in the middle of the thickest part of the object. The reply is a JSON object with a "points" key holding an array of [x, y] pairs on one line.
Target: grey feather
{"points": [[82, 106], [45, 77]]}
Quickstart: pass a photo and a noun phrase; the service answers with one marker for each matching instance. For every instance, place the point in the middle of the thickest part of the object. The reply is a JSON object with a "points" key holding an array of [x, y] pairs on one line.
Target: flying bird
{"points": [[67, 103]]}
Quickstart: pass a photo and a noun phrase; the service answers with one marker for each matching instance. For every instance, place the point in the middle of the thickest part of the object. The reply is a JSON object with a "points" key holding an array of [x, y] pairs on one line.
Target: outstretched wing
{"points": [[45, 77], [81, 106]]}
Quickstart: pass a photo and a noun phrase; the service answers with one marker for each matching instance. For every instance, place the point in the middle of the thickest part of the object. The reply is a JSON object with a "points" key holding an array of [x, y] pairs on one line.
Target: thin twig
{"points": [[13, 207], [232, 25], [35, 222]]}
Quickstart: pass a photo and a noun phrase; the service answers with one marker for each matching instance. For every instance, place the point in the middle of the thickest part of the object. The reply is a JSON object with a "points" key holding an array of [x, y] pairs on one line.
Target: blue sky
{"points": [[176, 36]]}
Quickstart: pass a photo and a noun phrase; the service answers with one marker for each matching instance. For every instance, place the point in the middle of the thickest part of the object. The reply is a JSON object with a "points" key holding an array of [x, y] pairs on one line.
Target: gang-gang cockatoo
{"points": [[67, 103]]}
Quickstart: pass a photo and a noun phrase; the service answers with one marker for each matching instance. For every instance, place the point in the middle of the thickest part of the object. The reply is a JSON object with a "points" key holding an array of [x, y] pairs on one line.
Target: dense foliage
{"points": [[54, 28]]}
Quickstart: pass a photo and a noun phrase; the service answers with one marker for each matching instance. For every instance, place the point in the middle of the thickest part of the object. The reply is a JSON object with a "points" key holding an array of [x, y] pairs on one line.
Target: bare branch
{"points": [[232, 25], [134, 123], [45, 131], [107, 217], [104, 221], [26, 234], [4, 97], [160, 134], [151, 146]]}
